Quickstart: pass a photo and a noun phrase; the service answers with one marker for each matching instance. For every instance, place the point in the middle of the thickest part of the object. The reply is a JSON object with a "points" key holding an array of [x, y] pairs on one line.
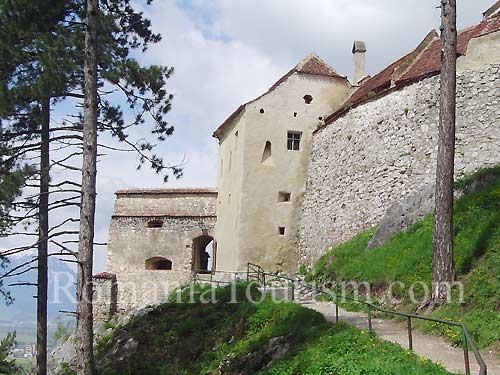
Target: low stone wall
{"points": [[104, 297], [125, 293], [384, 150], [141, 288]]}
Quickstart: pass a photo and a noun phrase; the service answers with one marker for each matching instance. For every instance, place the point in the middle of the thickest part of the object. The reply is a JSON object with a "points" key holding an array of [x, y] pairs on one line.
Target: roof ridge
{"points": [[412, 57], [313, 55], [306, 59], [493, 11], [301, 67]]}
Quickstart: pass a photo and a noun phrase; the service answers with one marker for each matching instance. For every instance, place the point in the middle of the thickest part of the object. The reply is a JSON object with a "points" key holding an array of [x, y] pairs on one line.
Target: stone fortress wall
{"points": [[156, 240], [385, 150]]}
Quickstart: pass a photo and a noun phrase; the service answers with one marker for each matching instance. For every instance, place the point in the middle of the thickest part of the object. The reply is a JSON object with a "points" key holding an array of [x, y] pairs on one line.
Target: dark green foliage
{"points": [[12, 180], [66, 370], [408, 258], [34, 33], [11, 183], [7, 366], [239, 292], [40, 56], [194, 338]]}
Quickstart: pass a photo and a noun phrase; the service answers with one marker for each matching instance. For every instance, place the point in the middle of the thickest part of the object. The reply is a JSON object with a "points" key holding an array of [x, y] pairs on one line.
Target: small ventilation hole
{"points": [[308, 99], [155, 224], [294, 114], [261, 110], [284, 196], [320, 118]]}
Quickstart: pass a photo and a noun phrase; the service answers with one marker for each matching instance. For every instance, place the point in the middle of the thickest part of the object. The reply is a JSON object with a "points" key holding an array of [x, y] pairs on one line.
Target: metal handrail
{"points": [[197, 272], [207, 272], [467, 341], [254, 269]]}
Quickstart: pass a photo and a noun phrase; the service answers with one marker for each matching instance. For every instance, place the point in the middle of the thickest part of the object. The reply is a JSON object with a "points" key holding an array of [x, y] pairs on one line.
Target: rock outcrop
{"points": [[400, 215]]}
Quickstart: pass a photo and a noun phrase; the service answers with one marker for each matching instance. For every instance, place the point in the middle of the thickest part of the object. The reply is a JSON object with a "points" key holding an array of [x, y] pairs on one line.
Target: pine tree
{"points": [[12, 180], [7, 366], [84, 322], [41, 65], [34, 74], [442, 263]]}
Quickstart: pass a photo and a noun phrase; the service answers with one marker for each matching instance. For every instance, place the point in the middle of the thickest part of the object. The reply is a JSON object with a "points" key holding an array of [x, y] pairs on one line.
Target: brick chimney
{"points": [[358, 52]]}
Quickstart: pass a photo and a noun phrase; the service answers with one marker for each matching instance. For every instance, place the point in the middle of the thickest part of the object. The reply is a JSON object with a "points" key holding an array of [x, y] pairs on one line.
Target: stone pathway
{"points": [[428, 346]]}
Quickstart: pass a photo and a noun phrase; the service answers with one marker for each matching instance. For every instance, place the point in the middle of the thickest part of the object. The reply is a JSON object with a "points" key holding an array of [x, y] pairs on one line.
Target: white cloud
{"points": [[286, 30]]}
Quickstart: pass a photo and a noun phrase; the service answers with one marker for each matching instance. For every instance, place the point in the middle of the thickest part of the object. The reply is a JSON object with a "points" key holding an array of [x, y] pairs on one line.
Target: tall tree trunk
{"points": [[443, 271], [43, 230], [85, 362]]}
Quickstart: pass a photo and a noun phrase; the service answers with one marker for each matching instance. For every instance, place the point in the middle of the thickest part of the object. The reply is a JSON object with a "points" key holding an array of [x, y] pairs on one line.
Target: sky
{"points": [[226, 52]]}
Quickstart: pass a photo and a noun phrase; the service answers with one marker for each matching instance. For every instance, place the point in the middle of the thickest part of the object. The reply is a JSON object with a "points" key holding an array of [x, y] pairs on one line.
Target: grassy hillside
{"points": [[249, 338], [408, 258]]}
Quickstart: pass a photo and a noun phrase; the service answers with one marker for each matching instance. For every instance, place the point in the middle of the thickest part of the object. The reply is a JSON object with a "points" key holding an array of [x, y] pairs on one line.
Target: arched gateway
{"points": [[204, 251]]}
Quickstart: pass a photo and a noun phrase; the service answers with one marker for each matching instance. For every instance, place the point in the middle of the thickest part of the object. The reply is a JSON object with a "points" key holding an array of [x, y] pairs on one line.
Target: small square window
{"points": [[284, 196], [293, 140], [281, 231]]}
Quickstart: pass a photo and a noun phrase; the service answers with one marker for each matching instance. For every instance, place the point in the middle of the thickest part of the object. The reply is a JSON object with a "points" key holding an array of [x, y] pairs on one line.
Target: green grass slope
{"points": [[232, 338], [408, 258]]}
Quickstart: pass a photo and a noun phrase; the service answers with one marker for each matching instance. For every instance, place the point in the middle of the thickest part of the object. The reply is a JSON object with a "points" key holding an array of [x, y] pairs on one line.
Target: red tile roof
{"points": [[376, 84], [430, 61], [311, 64], [167, 191], [422, 62]]}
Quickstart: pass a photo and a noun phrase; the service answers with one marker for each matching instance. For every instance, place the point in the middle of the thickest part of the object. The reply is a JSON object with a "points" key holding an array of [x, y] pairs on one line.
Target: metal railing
{"points": [[267, 279], [257, 273], [230, 276]]}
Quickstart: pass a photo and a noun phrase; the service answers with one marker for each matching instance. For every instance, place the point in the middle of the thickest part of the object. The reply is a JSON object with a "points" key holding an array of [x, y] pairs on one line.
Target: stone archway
{"points": [[204, 250], [158, 263]]}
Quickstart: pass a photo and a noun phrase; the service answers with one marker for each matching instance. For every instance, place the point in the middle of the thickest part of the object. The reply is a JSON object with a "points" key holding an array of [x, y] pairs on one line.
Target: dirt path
{"points": [[428, 346]]}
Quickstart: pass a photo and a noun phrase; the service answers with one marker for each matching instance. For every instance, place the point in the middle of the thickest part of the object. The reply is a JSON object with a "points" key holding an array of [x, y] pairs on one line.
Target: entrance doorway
{"points": [[204, 251]]}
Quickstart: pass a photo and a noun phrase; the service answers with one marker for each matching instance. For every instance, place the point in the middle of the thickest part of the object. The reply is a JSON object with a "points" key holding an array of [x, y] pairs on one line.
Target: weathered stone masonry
{"points": [[155, 241], [384, 150]]}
